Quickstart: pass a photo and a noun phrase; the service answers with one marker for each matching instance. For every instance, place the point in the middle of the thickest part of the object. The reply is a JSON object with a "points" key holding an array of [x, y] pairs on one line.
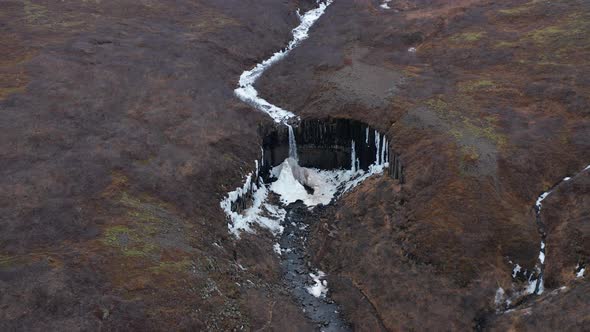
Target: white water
{"points": [[326, 184], [377, 146], [290, 183], [292, 144], [261, 213], [353, 159], [320, 286], [536, 286], [291, 177], [246, 91]]}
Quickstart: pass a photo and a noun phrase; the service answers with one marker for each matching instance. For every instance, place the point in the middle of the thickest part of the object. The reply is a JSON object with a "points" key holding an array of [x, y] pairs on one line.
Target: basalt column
{"points": [[328, 144]]}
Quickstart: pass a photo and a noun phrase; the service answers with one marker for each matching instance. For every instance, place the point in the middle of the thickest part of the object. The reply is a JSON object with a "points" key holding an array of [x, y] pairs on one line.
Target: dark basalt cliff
{"points": [[327, 144]]}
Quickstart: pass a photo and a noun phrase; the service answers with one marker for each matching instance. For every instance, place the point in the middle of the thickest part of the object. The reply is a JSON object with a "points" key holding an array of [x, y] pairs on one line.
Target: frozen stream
{"points": [[535, 278]]}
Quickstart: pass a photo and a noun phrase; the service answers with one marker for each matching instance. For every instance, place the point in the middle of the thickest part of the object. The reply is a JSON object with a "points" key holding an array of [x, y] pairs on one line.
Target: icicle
{"points": [[353, 157], [292, 143], [367, 136], [377, 147], [256, 162], [383, 150], [262, 156]]}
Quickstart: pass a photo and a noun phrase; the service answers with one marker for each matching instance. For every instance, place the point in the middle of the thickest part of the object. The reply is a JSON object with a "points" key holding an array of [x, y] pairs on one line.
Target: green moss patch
{"points": [[557, 44], [7, 261], [5, 92], [455, 113], [172, 266], [146, 218], [477, 85], [467, 37], [518, 10], [131, 242]]}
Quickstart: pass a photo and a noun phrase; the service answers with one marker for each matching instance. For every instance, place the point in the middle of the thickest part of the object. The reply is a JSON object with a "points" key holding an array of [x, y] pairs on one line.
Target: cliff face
{"points": [[328, 144]]}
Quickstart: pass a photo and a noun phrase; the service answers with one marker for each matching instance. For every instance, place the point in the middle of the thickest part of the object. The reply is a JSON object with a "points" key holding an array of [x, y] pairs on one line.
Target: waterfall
{"points": [[353, 157], [377, 147], [292, 143], [383, 150], [387, 153]]}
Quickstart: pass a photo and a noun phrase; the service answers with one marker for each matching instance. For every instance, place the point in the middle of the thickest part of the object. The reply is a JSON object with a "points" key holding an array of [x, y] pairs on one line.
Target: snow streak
{"points": [[246, 91], [535, 279]]}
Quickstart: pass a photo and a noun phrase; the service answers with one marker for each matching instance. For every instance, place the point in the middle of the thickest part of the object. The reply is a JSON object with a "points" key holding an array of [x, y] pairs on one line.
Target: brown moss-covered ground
{"points": [[118, 137]]}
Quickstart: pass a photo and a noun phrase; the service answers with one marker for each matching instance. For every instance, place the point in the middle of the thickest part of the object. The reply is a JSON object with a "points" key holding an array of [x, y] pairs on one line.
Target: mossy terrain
{"points": [[477, 85], [462, 123], [107, 211], [144, 219], [522, 47], [467, 37], [560, 41], [519, 10], [14, 261], [5, 92], [153, 243], [13, 57], [9, 261]]}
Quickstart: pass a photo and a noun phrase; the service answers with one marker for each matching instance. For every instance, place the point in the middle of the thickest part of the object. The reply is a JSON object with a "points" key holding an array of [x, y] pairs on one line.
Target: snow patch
{"points": [[277, 248], [260, 213], [530, 289], [320, 287], [499, 298], [325, 184], [540, 200], [515, 271], [580, 271]]}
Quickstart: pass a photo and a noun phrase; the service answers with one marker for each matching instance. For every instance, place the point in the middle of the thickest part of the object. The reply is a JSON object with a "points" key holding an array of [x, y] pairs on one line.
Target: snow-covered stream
{"points": [[535, 278], [297, 187], [246, 91], [542, 252]]}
